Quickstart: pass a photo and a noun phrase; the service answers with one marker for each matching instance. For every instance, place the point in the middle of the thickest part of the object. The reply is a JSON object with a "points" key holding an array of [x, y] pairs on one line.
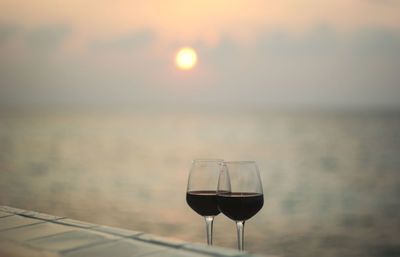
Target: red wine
{"points": [[240, 206], [203, 202]]}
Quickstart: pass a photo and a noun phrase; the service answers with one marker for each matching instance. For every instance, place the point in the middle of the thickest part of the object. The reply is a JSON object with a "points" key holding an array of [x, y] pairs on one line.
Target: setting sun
{"points": [[186, 58]]}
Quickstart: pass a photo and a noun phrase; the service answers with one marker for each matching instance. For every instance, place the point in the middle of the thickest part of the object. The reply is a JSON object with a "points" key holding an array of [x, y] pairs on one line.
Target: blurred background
{"points": [[98, 123]]}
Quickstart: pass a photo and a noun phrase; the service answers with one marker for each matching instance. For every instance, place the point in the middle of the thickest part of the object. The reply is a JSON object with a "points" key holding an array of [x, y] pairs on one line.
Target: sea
{"points": [[331, 178]]}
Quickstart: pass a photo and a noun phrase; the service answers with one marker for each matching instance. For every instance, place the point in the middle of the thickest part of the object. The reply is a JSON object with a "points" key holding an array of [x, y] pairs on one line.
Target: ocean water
{"points": [[331, 180]]}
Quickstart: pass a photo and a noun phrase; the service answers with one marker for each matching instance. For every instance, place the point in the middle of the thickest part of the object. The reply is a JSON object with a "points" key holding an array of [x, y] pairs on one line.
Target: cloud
{"points": [[321, 67], [45, 39], [378, 41], [207, 21], [131, 41], [7, 31], [318, 68]]}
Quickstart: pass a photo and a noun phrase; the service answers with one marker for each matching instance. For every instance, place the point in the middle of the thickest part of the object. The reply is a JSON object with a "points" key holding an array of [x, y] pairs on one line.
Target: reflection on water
{"points": [[331, 180]]}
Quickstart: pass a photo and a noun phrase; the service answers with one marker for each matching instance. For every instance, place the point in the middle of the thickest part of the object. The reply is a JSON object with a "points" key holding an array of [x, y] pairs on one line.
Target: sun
{"points": [[186, 58]]}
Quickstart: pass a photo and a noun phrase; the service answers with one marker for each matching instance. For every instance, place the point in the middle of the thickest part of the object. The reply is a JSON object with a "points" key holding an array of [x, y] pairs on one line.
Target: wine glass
{"points": [[239, 193], [201, 193]]}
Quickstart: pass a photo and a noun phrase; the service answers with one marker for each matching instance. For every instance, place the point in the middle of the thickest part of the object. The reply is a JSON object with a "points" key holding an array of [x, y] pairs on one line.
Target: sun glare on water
{"points": [[186, 58]]}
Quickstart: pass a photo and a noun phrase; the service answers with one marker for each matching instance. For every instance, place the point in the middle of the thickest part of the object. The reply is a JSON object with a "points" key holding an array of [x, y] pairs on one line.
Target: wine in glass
{"points": [[239, 194], [201, 193]]}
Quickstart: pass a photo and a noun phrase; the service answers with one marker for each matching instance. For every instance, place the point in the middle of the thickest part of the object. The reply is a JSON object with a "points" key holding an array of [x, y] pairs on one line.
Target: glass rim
{"points": [[208, 160], [238, 162]]}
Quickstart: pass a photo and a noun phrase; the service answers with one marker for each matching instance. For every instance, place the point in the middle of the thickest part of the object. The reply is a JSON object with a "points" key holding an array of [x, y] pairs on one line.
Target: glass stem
{"points": [[209, 228], [240, 233]]}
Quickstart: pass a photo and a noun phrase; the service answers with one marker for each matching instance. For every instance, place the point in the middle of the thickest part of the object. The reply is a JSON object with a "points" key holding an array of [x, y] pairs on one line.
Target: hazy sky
{"points": [[298, 52]]}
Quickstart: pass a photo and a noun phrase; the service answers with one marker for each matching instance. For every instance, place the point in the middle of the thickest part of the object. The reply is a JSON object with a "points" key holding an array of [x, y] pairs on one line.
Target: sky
{"points": [[333, 53]]}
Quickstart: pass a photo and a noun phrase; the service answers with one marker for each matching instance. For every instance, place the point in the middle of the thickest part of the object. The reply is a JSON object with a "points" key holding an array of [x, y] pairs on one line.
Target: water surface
{"points": [[331, 179]]}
